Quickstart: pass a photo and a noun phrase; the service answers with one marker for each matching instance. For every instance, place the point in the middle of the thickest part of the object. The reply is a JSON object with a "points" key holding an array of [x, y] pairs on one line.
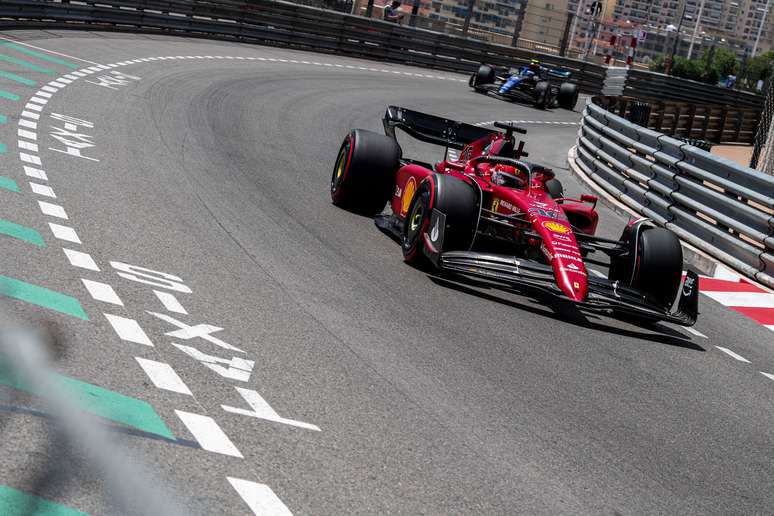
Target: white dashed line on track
{"points": [[694, 331], [170, 302], [52, 210], [733, 355], [259, 498], [163, 376], [81, 260], [128, 329], [102, 292], [64, 233], [208, 434], [45, 191]]}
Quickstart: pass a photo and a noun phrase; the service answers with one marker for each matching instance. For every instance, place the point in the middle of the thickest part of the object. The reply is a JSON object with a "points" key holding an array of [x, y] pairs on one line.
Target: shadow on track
{"points": [[563, 311]]}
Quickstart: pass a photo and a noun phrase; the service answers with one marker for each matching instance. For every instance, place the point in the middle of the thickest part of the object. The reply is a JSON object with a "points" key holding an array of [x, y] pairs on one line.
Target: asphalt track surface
{"points": [[431, 397]]}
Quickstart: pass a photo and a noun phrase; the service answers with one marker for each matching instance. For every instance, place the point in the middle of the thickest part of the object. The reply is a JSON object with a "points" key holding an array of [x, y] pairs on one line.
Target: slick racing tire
{"points": [[484, 75], [541, 95], [363, 177], [660, 267], [457, 200], [555, 188], [568, 96]]}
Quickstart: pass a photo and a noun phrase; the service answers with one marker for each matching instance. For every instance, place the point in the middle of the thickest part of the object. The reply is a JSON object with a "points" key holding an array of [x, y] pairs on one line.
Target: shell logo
{"points": [[408, 194], [556, 227]]}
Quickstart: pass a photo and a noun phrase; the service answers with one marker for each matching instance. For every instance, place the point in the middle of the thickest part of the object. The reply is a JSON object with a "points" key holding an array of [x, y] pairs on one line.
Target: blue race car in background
{"points": [[542, 87]]}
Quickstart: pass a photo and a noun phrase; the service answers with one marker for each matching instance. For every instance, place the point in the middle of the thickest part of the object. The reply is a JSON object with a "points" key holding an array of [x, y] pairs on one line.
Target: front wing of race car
{"points": [[603, 294], [514, 94]]}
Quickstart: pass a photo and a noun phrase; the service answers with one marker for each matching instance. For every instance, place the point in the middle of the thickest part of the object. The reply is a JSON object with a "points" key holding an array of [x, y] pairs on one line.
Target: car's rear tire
{"points": [[457, 200], [542, 94], [660, 267], [568, 96], [363, 177]]}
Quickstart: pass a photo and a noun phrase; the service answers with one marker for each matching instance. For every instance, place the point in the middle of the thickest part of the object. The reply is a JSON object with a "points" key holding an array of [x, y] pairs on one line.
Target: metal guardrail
{"points": [[722, 208]]}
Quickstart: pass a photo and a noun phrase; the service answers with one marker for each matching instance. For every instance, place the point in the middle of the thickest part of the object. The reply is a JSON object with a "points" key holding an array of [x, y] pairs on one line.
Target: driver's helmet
{"points": [[508, 176], [534, 65]]}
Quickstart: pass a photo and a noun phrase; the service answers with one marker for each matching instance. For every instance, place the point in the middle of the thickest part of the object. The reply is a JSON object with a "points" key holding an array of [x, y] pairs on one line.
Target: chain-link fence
{"points": [[79, 443], [763, 148]]}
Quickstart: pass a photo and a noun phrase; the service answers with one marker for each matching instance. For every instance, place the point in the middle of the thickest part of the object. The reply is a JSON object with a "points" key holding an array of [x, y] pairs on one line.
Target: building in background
{"points": [[734, 24], [545, 22], [497, 16]]}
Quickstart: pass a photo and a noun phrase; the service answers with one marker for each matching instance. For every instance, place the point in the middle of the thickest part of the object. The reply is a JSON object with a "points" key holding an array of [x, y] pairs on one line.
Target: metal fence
{"points": [[724, 209], [75, 437]]}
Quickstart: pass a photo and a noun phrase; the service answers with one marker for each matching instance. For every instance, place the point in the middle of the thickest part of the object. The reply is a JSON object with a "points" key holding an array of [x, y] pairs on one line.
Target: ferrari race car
{"points": [[496, 217], [542, 87]]}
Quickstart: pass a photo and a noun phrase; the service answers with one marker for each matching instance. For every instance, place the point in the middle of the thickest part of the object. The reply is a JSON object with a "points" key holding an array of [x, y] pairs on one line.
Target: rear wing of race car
{"points": [[432, 129]]}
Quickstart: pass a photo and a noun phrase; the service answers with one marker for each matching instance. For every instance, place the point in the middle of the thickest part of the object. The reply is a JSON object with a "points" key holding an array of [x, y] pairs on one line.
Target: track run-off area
{"points": [[166, 215]]}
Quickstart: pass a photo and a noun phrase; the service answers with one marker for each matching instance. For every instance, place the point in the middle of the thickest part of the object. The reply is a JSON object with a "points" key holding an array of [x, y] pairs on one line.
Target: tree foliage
{"points": [[715, 64]]}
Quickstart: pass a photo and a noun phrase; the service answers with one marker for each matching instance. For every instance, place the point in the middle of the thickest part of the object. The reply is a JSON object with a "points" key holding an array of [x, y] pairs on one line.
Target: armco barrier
{"points": [[724, 209]]}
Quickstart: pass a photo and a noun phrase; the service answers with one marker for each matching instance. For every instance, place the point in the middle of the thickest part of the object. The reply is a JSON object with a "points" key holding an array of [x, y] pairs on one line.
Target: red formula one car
{"points": [[494, 216]]}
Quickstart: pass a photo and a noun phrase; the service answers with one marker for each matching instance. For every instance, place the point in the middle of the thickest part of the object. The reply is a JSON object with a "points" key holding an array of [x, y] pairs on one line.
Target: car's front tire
{"points": [[568, 96], [541, 94], [484, 75], [363, 177], [457, 200]]}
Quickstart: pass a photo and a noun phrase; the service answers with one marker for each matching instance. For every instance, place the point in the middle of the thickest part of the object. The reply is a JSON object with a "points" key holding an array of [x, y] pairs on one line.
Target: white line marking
{"points": [[128, 329], [29, 158], [262, 410], [733, 355], [163, 376], [63, 80], [767, 375], [102, 292], [50, 89], [36, 173], [43, 190], [64, 233], [27, 123], [30, 114], [170, 302], [52, 210], [57, 84], [49, 51], [39, 100], [79, 259], [30, 135], [24, 144], [209, 435], [259, 498], [750, 299], [596, 273], [769, 326], [694, 331]]}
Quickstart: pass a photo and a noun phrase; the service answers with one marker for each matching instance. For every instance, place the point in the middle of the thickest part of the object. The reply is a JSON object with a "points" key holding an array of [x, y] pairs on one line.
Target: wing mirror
{"points": [[590, 199]]}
